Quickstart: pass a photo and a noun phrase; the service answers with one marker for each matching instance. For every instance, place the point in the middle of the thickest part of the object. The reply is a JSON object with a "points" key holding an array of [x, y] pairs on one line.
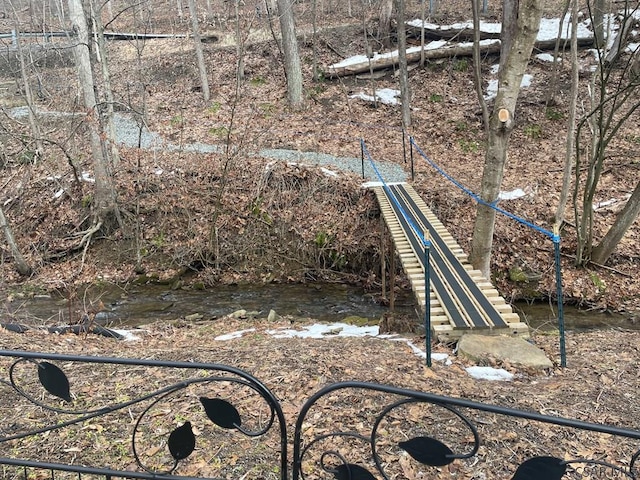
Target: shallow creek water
{"points": [[142, 304]]}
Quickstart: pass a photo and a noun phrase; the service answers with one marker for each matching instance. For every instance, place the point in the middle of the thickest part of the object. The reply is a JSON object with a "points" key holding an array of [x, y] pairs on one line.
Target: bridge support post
{"points": [[392, 278], [383, 259]]}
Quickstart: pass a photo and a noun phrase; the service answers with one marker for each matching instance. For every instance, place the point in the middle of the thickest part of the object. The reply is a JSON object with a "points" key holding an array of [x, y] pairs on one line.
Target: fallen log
{"points": [[435, 49], [446, 48]]}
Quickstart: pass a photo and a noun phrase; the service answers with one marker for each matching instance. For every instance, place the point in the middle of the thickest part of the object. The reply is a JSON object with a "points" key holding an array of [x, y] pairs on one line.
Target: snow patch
{"points": [[388, 96], [318, 330], [127, 335], [545, 57], [328, 172], [512, 195], [86, 177], [489, 373], [232, 335]]}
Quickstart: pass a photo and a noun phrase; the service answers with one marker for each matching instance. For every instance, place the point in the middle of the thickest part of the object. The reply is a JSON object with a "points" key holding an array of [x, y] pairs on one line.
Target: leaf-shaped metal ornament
{"points": [[182, 441], [221, 412], [428, 451], [351, 471], [541, 468], [54, 380]]}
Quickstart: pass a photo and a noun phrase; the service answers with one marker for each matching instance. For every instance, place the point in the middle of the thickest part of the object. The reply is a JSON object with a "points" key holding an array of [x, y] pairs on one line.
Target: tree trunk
{"points": [[571, 122], [33, 122], [598, 23], [106, 80], [202, 68], [384, 23], [180, 10], [501, 125], [105, 193], [22, 266], [405, 94], [509, 28], [239, 47], [622, 223], [292, 65], [477, 67]]}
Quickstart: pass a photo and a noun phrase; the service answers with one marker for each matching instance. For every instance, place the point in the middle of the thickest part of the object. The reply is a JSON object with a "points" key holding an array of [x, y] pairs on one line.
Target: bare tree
{"points": [[202, 67], [22, 266], [477, 65], [405, 94], [104, 202], [613, 96], [110, 130], [384, 22], [33, 122], [526, 22], [292, 66], [622, 223], [571, 121]]}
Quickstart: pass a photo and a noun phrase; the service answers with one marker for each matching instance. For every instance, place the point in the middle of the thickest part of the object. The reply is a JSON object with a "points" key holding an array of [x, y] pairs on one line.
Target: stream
{"points": [[141, 304]]}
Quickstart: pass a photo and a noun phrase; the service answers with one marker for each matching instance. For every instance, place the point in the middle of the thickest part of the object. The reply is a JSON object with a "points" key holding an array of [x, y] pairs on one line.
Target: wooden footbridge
{"points": [[462, 300]]}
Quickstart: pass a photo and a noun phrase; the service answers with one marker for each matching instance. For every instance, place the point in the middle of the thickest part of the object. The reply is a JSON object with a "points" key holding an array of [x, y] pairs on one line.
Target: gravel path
{"points": [[128, 133]]}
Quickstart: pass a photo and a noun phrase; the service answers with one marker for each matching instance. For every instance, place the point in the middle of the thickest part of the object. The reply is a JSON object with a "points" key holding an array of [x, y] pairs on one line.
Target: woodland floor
{"points": [[318, 222]]}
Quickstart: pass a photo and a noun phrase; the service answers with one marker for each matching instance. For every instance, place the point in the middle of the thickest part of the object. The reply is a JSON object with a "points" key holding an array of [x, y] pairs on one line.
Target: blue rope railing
{"points": [[419, 234], [554, 236]]}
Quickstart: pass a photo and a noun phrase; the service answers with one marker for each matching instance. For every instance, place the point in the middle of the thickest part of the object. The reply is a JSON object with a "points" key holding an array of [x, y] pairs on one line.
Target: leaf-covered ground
{"points": [[598, 386]]}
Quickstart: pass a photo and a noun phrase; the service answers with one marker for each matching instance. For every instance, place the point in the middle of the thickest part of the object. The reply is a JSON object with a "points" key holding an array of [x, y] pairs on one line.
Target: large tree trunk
{"points": [[623, 222], [292, 65], [598, 23], [202, 68], [106, 80], [21, 265], [105, 193], [384, 22], [405, 94], [501, 126]]}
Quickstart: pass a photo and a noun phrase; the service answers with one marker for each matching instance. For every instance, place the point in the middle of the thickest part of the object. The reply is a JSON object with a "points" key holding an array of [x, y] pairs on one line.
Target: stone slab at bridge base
{"points": [[515, 351]]}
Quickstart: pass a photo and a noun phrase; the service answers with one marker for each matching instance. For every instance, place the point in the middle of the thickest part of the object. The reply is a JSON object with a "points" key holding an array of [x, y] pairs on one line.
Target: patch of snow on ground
{"points": [[495, 69], [545, 57], [232, 335], [489, 373], [328, 172], [388, 96], [512, 195], [128, 335], [632, 47], [318, 330], [492, 87]]}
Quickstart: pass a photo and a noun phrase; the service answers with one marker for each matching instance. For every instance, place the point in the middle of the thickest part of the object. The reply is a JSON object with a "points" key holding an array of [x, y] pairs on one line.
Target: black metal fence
{"points": [[83, 417]]}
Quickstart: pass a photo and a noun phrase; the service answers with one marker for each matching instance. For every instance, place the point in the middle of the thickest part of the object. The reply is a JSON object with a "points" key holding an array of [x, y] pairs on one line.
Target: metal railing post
{"points": [[404, 145], [427, 298], [362, 156], [413, 176], [556, 250]]}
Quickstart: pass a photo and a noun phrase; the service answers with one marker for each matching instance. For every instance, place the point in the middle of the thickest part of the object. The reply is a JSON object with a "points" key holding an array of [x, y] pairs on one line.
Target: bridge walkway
{"points": [[462, 300]]}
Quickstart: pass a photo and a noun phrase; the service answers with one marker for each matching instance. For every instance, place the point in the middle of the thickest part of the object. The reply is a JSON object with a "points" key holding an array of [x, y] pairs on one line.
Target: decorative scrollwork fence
{"points": [[82, 417]]}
